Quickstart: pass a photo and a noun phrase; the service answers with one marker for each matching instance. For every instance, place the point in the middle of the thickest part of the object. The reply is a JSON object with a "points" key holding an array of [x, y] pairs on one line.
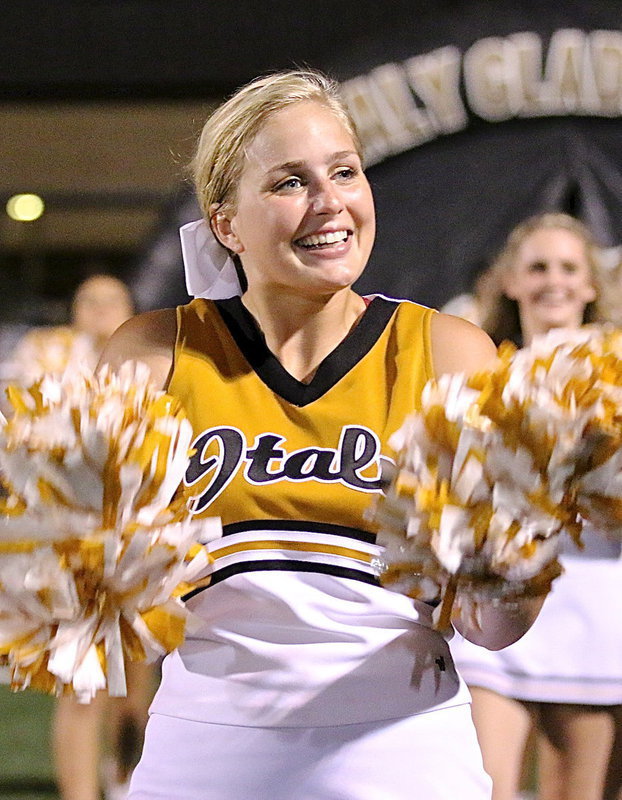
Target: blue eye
{"points": [[290, 183], [345, 173]]}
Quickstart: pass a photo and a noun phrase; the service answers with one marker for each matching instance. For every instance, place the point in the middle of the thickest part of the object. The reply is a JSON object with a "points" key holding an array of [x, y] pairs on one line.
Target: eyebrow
{"points": [[289, 166]]}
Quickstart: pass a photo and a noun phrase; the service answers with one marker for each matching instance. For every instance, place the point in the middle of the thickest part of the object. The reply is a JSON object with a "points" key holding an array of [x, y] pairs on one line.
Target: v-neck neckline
{"points": [[332, 369]]}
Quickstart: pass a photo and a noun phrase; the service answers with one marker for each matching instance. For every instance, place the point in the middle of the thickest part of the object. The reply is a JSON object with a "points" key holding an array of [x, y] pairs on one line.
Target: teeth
{"points": [[553, 297], [323, 238]]}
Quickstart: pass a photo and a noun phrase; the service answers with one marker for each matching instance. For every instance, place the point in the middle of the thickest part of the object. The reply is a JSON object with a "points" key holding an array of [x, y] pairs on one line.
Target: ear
{"points": [[590, 293], [506, 284], [222, 229]]}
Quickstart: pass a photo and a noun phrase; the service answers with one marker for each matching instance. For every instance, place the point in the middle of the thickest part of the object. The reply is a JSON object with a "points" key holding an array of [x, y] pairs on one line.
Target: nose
{"points": [[555, 273], [326, 198]]}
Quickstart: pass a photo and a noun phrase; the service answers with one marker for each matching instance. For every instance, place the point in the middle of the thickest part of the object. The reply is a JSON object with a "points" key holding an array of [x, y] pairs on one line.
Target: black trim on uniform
{"points": [[302, 526], [338, 363], [283, 565]]}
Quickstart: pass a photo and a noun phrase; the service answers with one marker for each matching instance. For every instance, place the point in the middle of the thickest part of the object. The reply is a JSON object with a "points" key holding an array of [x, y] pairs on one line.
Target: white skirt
{"points": [[573, 652], [434, 755]]}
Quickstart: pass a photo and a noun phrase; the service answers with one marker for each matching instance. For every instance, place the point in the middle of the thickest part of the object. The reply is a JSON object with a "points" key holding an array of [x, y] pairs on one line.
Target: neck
{"points": [[529, 331], [302, 331]]}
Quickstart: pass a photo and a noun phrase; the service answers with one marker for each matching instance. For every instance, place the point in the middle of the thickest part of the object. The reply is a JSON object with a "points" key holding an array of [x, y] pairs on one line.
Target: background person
{"points": [[563, 676], [94, 745], [100, 304]]}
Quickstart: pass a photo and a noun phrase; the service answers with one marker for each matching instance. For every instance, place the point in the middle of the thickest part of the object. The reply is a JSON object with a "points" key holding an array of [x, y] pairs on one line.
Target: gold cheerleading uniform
{"points": [[295, 627]]}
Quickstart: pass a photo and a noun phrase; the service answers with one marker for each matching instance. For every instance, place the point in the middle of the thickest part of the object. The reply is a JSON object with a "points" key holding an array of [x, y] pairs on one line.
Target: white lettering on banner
{"points": [[435, 78], [535, 93], [398, 106], [404, 121], [607, 59], [491, 68]]}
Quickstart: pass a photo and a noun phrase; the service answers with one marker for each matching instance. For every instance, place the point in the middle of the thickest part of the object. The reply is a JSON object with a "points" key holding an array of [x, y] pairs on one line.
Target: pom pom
{"points": [[96, 544], [495, 467]]}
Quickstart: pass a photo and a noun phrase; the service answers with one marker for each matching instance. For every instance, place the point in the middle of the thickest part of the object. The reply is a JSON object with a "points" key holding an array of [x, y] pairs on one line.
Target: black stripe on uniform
{"points": [[333, 368], [282, 565]]}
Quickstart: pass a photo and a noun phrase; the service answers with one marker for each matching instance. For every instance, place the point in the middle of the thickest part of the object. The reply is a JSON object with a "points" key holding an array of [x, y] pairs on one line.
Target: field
{"points": [[25, 759]]}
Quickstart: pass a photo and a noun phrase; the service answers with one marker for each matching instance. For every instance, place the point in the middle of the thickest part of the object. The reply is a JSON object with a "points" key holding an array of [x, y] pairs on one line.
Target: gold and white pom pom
{"points": [[495, 467], [466, 513], [96, 544]]}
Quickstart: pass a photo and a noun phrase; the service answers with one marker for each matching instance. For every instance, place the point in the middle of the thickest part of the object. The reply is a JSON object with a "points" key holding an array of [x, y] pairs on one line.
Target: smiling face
{"points": [[551, 281], [304, 214]]}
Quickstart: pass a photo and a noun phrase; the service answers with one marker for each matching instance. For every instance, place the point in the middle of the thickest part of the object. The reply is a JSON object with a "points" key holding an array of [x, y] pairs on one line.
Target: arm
{"points": [[149, 338], [459, 346]]}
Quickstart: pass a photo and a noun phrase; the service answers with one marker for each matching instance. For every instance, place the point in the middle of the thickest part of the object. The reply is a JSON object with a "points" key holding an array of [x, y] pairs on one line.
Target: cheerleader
{"points": [[563, 676], [306, 678], [94, 745]]}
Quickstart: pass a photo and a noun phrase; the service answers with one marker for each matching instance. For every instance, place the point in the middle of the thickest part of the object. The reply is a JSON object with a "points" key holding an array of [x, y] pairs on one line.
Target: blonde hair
{"points": [[499, 314], [219, 158]]}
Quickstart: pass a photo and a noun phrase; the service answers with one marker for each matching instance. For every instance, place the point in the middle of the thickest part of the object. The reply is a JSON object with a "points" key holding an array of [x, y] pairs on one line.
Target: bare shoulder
{"points": [[149, 338], [459, 346]]}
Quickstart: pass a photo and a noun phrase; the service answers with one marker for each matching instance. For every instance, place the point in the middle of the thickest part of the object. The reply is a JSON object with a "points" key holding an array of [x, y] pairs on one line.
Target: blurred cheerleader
{"points": [[563, 677], [81, 731]]}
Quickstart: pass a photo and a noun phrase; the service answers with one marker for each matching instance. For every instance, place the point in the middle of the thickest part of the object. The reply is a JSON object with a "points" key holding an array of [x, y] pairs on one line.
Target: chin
{"points": [[342, 277], [560, 322]]}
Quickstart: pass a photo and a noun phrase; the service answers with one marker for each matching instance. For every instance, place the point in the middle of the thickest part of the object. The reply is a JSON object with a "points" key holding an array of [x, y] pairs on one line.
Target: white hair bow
{"points": [[210, 271]]}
